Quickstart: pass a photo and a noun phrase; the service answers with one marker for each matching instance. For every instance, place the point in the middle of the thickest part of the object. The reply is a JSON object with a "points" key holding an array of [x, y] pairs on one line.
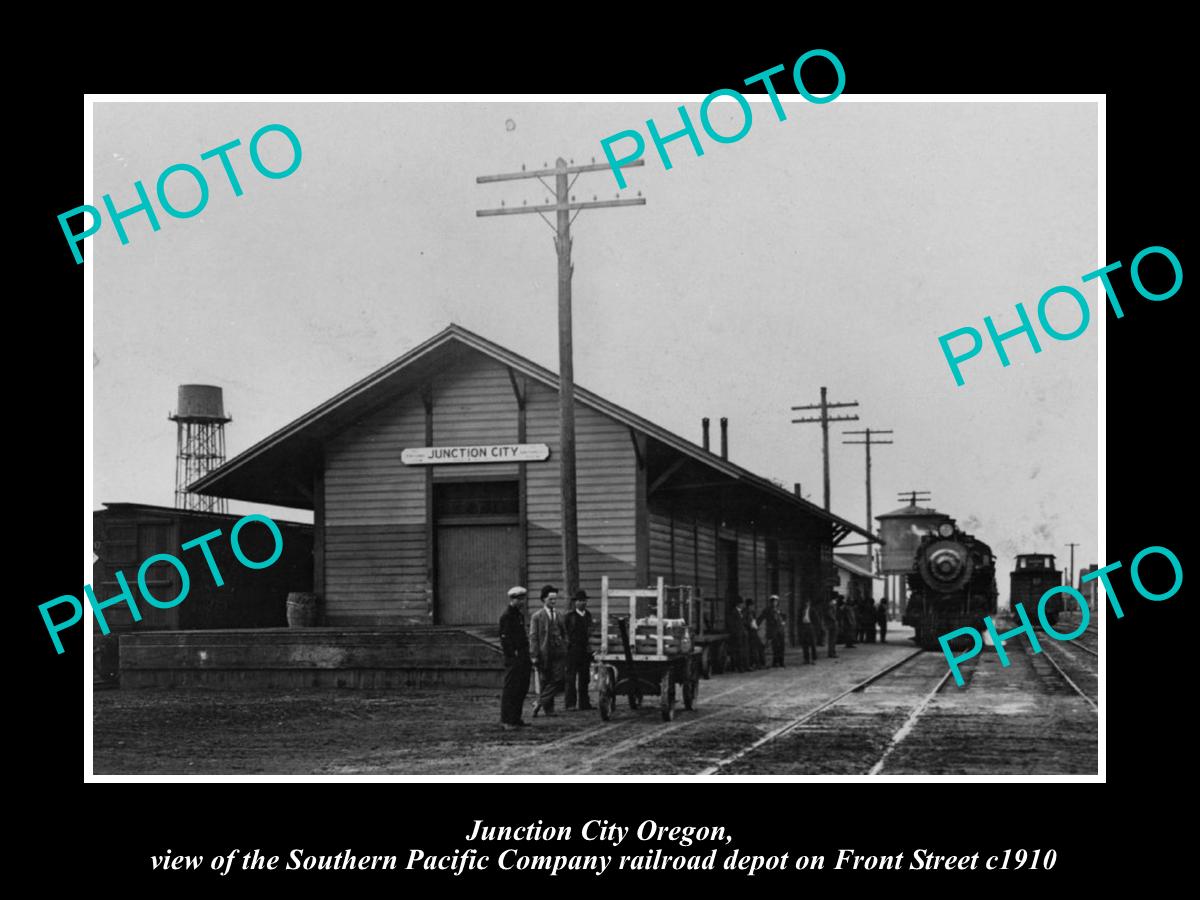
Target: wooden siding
{"points": [[474, 404], [695, 559], [606, 469], [706, 543], [375, 569], [660, 544]]}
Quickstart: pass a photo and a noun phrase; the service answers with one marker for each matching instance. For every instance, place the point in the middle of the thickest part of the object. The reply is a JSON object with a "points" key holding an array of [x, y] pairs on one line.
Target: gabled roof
{"points": [[277, 470]]}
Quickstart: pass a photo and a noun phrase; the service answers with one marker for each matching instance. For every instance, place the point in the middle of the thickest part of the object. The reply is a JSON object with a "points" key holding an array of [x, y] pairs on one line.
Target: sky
{"points": [[833, 248]]}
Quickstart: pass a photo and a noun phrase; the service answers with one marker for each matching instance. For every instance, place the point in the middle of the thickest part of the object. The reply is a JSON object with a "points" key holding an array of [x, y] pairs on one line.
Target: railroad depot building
{"points": [[434, 486]]}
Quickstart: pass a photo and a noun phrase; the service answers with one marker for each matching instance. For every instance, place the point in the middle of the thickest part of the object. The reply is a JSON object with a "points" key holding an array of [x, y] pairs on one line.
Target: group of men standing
{"points": [[852, 623], [831, 623], [556, 646], [751, 632]]}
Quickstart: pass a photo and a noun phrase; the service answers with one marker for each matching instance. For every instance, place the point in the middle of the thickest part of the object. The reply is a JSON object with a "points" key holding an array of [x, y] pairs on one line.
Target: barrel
{"points": [[301, 610]]}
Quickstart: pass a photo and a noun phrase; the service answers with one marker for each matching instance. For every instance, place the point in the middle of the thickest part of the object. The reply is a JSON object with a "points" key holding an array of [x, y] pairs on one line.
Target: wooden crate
{"points": [[652, 635]]}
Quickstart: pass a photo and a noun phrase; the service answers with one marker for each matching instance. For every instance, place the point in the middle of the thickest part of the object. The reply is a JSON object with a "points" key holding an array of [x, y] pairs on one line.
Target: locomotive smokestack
{"points": [[724, 438], [704, 428]]}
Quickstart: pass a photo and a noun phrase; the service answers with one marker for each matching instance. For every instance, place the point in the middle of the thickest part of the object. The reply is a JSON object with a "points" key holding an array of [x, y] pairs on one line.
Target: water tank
{"points": [[200, 401], [901, 531]]}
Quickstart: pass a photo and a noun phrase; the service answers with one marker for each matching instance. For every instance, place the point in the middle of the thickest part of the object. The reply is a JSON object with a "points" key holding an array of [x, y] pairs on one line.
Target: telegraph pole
{"points": [[824, 406], [1071, 571], [563, 206], [868, 443]]}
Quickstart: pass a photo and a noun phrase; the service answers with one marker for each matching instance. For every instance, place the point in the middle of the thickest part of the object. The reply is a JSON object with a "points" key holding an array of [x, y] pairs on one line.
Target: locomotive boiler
{"points": [[952, 584]]}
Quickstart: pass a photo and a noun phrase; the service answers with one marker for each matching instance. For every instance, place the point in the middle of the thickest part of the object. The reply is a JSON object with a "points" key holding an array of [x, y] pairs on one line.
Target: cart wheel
{"points": [[635, 699], [666, 700], [607, 703], [691, 689], [606, 698]]}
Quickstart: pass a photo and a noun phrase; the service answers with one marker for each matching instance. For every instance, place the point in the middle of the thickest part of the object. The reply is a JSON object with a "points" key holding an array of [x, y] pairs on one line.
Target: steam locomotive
{"points": [[952, 584]]}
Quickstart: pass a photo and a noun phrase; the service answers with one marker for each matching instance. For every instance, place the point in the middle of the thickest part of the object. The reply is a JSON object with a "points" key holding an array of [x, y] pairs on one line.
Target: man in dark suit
{"points": [[514, 642], [738, 642], [775, 629], [809, 624], [755, 650], [579, 652], [548, 647], [829, 624]]}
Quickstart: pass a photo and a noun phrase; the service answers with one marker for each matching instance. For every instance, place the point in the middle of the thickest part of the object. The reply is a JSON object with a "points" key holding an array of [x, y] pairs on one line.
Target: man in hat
{"points": [[737, 642], [775, 629], [829, 624], [514, 642], [847, 623], [548, 646], [807, 631], [881, 618], [579, 652], [756, 651]]}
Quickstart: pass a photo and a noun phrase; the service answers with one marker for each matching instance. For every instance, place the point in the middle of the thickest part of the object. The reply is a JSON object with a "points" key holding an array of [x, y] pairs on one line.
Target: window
{"points": [[475, 498]]}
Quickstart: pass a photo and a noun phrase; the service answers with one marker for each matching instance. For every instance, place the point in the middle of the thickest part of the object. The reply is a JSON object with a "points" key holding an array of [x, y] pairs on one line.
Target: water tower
{"points": [[200, 423], [901, 531]]}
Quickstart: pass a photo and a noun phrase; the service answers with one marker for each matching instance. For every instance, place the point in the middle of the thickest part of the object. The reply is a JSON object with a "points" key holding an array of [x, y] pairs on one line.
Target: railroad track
{"points": [[799, 720], [1078, 646], [589, 734], [623, 747], [1050, 658]]}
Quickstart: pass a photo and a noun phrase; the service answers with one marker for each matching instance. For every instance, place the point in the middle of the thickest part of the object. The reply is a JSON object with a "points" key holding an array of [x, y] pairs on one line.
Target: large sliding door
{"points": [[478, 549]]}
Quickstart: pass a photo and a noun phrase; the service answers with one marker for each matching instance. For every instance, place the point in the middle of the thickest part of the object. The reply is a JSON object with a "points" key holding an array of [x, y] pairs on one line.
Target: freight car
{"points": [[952, 584], [1033, 575]]}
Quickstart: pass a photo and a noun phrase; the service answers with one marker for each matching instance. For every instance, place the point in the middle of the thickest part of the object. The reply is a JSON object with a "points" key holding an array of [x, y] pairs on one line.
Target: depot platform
{"points": [[311, 657]]}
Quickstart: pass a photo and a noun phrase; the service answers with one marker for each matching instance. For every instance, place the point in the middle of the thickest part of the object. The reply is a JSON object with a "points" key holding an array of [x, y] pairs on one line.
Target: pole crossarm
{"points": [[537, 173], [554, 207], [826, 406], [823, 420], [827, 419]]}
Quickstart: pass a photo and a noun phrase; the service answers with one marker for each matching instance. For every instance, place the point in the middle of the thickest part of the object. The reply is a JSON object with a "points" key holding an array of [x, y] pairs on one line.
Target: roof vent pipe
{"points": [[724, 438], [704, 427]]}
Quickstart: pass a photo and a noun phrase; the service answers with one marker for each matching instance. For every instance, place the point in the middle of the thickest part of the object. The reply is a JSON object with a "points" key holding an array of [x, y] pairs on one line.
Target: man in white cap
{"points": [[514, 641]]}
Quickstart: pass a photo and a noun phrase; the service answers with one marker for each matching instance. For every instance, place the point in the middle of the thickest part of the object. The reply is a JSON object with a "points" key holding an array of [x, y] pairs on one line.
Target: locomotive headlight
{"points": [[945, 529]]}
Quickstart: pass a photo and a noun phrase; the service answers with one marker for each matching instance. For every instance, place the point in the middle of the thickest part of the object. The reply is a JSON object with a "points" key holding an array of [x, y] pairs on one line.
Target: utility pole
{"points": [[868, 443], [563, 206], [825, 419], [1071, 572]]}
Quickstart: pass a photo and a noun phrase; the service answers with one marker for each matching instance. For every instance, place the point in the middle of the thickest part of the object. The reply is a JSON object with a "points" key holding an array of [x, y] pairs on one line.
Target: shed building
{"points": [[125, 534]]}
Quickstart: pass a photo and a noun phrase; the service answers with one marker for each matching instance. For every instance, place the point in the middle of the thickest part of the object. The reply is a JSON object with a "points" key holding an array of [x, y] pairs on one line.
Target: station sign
{"points": [[486, 453]]}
